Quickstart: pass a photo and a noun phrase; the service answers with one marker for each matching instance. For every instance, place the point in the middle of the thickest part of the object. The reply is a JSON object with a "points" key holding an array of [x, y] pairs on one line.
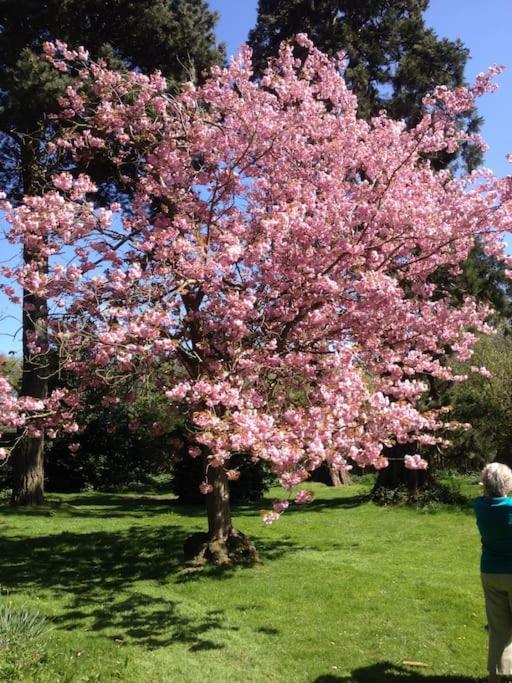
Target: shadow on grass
{"points": [[319, 504], [102, 505], [108, 506], [96, 574], [98, 505], [344, 502], [150, 621], [431, 507], [386, 672]]}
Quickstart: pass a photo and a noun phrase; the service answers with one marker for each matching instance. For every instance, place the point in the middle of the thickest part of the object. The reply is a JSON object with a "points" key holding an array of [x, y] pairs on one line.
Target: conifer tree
{"points": [[175, 36]]}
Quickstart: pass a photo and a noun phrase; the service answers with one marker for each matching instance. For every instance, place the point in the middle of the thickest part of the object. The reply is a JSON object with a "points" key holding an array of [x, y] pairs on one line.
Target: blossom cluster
{"points": [[26, 414]]}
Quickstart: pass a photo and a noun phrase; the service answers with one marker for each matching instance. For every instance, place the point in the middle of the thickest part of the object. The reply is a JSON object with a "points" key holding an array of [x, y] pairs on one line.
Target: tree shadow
{"points": [[152, 622], [126, 505], [345, 502], [137, 505], [103, 505], [319, 504], [91, 562], [387, 672], [433, 507], [97, 573]]}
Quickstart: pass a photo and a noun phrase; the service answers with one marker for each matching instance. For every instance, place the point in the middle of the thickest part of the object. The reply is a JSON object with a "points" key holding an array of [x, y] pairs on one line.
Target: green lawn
{"points": [[345, 591]]}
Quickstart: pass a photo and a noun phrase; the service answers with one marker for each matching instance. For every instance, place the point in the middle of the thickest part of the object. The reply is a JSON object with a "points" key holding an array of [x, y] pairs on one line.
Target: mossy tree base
{"points": [[235, 549]]}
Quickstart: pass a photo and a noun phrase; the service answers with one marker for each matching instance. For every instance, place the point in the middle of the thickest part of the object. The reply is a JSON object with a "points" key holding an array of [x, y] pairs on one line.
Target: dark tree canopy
{"points": [[175, 36], [484, 277], [393, 58]]}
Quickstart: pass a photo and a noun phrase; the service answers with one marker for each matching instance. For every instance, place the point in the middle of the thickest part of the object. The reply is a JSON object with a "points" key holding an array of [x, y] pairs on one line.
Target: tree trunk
{"points": [[222, 545], [339, 477], [331, 476], [28, 472], [219, 514], [28, 455], [396, 475]]}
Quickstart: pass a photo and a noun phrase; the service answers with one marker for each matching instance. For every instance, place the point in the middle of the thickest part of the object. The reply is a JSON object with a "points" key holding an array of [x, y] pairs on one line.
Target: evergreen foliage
{"points": [[485, 403]]}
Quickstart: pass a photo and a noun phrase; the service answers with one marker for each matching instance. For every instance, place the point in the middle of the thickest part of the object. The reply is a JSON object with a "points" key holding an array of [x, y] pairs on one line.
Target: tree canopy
{"points": [[393, 59], [175, 36]]}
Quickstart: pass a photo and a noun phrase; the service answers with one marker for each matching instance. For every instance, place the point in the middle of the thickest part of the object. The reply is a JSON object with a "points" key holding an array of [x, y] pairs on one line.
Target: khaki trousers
{"points": [[498, 605]]}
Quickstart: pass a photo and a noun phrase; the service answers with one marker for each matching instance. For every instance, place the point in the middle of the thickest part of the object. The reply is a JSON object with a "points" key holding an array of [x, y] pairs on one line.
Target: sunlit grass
{"points": [[345, 591]]}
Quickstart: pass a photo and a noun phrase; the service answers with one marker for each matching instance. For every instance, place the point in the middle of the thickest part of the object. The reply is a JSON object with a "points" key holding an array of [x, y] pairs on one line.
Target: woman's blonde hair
{"points": [[496, 479]]}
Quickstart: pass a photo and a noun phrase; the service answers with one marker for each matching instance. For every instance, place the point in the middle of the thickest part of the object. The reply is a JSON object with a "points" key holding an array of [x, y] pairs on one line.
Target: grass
{"points": [[345, 592]]}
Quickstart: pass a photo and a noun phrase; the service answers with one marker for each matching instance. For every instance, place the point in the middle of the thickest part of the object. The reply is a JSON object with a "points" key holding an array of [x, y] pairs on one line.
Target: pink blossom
{"points": [[481, 371], [63, 181], [302, 497], [269, 518], [178, 392], [263, 288], [415, 462], [280, 506]]}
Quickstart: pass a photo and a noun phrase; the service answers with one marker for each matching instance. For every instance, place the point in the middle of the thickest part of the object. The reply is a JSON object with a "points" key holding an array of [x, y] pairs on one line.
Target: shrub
{"points": [[111, 456], [448, 492]]}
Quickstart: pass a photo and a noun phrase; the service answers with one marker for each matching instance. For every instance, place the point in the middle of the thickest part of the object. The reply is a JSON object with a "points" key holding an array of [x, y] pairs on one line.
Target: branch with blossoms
{"points": [[27, 416]]}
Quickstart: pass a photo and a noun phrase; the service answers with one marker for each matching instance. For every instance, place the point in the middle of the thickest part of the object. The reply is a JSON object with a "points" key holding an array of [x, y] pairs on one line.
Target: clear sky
{"points": [[482, 25]]}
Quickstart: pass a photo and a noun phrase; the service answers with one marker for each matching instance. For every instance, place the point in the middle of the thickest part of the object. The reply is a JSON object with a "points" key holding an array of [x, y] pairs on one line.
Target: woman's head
{"points": [[496, 479]]}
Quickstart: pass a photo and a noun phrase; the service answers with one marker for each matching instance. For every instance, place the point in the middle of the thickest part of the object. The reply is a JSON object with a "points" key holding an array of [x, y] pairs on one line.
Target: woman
{"points": [[494, 519]]}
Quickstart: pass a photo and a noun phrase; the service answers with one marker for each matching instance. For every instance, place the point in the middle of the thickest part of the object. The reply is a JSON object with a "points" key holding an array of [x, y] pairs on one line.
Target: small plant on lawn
{"points": [[22, 632]]}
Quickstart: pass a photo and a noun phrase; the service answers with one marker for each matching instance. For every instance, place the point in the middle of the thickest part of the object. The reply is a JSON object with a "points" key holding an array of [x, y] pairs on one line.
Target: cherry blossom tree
{"points": [[273, 277]]}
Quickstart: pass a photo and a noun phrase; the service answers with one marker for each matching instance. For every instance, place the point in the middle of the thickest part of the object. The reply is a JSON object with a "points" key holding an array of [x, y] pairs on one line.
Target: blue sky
{"points": [[482, 25]]}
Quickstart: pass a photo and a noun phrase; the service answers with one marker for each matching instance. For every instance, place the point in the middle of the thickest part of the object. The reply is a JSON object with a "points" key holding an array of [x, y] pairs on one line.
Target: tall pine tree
{"points": [[175, 36]]}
